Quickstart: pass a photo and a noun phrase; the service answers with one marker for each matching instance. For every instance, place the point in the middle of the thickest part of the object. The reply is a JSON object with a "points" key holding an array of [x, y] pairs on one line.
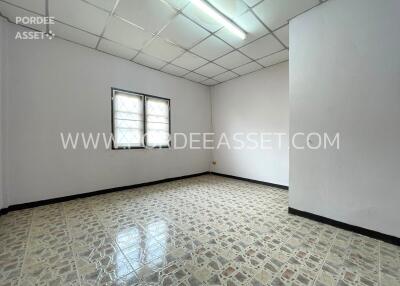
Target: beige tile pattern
{"points": [[206, 230]]}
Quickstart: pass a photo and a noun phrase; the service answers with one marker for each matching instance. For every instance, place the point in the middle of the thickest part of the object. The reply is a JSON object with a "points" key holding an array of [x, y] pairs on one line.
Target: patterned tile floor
{"points": [[206, 230]]}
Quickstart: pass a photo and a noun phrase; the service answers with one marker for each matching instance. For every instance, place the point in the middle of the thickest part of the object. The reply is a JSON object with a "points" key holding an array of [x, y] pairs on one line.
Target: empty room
{"points": [[200, 142]]}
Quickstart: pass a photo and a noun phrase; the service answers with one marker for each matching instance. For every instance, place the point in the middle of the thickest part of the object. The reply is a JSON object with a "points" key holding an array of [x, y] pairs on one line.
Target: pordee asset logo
{"points": [[34, 35]]}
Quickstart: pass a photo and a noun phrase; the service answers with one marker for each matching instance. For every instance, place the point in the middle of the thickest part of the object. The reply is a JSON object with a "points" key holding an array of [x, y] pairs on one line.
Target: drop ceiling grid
{"points": [[111, 13], [183, 50], [180, 12]]}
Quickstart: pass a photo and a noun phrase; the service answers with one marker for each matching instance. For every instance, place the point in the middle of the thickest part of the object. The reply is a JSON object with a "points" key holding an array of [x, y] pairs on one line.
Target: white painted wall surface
{"points": [[2, 50], [56, 86], [345, 77], [258, 102]]}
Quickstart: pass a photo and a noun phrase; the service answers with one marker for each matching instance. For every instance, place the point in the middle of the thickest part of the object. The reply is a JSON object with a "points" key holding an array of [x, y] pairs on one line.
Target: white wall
{"points": [[56, 86], [2, 51], [258, 102], [344, 77]]}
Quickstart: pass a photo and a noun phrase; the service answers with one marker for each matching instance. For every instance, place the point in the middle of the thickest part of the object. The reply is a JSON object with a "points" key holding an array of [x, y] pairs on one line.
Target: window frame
{"points": [[144, 95]]}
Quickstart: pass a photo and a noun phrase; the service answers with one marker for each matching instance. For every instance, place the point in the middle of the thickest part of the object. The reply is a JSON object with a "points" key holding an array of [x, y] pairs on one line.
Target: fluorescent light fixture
{"points": [[219, 17]]}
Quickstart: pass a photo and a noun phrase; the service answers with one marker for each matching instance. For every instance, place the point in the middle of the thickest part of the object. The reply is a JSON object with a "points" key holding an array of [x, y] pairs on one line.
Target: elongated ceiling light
{"points": [[219, 17]]}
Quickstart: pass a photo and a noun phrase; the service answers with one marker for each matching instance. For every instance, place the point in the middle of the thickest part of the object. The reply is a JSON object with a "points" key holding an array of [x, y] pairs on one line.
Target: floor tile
{"points": [[206, 230]]}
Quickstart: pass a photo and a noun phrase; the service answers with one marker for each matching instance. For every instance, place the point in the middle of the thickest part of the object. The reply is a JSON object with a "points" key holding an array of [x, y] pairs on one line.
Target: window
{"points": [[157, 122], [140, 120], [128, 120]]}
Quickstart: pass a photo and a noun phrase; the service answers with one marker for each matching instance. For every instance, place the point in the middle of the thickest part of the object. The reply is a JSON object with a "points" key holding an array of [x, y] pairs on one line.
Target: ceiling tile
{"points": [[149, 61], [233, 60], [211, 48], [37, 6], [75, 35], [116, 49], [252, 3], [210, 70], [104, 4], [124, 33], [11, 12], [274, 58], [79, 14], [230, 8], [175, 70], [189, 61], [184, 32], [152, 15], [210, 82], [161, 49], [201, 18], [276, 13], [262, 47], [283, 35], [195, 77], [253, 66], [249, 23], [177, 4], [225, 76]]}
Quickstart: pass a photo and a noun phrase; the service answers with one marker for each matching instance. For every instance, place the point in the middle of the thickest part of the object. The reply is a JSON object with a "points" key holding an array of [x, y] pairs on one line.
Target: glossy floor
{"points": [[206, 230]]}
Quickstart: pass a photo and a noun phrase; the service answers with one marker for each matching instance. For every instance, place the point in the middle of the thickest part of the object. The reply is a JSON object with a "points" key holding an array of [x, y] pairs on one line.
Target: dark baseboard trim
{"points": [[252, 181], [360, 230], [367, 232], [90, 194]]}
